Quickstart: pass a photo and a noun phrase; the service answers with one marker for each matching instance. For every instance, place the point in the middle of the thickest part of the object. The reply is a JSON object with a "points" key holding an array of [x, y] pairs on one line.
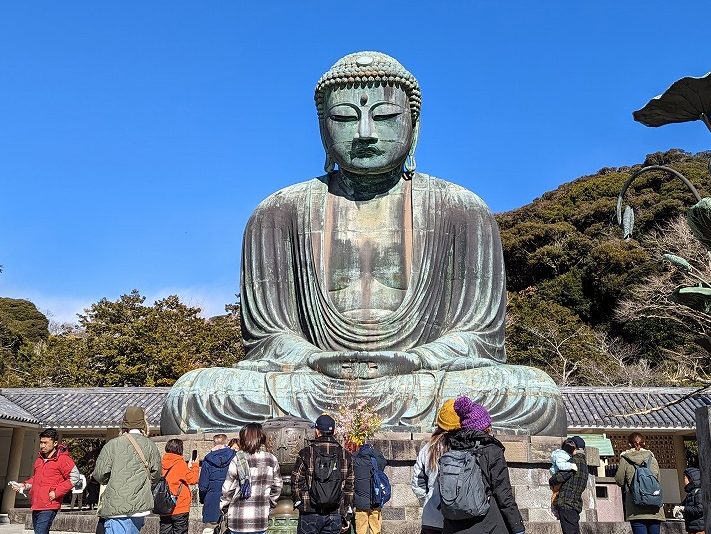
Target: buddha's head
{"points": [[369, 110]]}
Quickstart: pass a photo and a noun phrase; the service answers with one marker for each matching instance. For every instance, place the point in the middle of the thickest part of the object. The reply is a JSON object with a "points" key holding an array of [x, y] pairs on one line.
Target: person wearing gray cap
{"points": [[128, 465]]}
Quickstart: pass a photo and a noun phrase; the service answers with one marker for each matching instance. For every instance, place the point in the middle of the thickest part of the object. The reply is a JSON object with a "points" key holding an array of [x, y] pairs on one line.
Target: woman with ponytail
{"points": [[424, 474], [475, 434]]}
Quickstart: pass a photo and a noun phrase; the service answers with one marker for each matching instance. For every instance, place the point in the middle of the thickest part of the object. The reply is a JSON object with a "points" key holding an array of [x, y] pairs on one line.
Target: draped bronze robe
{"points": [[452, 314], [452, 317]]}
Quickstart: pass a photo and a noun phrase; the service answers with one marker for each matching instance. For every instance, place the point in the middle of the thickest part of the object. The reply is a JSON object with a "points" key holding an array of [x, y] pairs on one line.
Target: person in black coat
{"points": [[92, 493], [503, 515], [366, 517], [692, 507]]}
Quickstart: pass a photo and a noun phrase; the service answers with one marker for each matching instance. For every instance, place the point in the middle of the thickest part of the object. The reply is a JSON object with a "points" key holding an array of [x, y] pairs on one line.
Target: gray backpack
{"points": [[462, 488]]}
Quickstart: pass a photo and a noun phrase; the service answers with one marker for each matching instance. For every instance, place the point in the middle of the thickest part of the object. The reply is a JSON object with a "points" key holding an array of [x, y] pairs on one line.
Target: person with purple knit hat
{"points": [[503, 515]]}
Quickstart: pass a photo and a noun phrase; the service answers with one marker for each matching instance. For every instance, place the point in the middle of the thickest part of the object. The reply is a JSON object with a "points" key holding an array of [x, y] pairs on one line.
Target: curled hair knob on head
{"points": [[568, 446]]}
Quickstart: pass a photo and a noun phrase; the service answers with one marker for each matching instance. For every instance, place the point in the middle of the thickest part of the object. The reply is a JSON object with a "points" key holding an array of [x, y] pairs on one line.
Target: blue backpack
{"points": [[645, 487], [380, 485]]}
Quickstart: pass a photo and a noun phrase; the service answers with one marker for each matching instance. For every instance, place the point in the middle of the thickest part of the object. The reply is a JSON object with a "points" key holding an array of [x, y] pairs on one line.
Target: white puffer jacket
{"points": [[425, 487]]}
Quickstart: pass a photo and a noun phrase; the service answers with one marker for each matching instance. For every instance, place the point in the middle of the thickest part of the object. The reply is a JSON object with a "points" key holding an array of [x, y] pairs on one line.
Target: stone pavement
{"points": [[85, 523], [11, 528]]}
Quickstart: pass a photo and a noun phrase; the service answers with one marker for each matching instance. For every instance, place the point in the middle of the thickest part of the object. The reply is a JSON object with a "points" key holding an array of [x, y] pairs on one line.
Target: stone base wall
{"points": [[530, 489]]}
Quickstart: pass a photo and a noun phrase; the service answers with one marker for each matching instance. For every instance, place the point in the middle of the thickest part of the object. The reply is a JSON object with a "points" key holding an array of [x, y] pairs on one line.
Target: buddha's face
{"points": [[367, 130]]}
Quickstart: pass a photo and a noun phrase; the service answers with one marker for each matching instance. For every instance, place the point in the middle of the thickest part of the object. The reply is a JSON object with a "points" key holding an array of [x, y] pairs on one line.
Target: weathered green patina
{"points": [[373, 281]]}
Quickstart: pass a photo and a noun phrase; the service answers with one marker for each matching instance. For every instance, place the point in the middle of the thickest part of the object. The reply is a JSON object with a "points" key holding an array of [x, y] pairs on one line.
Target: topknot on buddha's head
{"points": [[369, 68]]}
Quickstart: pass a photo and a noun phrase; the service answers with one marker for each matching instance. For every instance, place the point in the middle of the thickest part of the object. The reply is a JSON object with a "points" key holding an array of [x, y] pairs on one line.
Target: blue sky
{"points": [[137, 137]]}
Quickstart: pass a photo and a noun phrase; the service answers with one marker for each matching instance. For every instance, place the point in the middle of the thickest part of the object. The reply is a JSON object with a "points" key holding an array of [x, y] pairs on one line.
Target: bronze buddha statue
{"points": [[372, 281]]}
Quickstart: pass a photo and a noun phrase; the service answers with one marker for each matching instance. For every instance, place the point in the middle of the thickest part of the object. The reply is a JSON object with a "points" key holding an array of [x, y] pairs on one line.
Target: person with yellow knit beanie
{"points": [[447, 418], [424, 474]]}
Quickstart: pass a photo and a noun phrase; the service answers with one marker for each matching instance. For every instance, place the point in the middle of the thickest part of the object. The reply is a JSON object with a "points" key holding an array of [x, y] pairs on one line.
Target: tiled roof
{"points": [[586, 407], [633, 408], [9, 411], [86, 407]]}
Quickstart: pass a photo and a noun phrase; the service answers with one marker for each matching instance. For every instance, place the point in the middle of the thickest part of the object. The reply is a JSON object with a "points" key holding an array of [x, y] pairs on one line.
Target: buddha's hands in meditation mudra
{"points": [[362, 364]]}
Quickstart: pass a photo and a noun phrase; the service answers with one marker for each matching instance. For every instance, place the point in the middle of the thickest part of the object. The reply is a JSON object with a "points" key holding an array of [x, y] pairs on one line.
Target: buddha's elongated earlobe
{"points": [[410, 162], [329, 165]]}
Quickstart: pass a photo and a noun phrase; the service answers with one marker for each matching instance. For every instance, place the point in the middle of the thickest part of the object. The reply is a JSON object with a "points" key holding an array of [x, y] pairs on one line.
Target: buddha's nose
{"points": [[365, 128]]}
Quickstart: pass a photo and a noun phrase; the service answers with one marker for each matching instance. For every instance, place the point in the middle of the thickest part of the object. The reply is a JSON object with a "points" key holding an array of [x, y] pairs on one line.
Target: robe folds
{"points": [[453, 312], [451, 318]]}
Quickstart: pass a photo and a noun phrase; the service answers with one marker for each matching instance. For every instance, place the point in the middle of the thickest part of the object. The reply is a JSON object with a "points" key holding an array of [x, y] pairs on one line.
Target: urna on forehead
{"points": [[369, 68]]}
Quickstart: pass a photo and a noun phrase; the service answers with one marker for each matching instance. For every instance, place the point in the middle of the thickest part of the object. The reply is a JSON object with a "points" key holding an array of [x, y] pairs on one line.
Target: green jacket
{"points": [[624, 478], [128, 490]]}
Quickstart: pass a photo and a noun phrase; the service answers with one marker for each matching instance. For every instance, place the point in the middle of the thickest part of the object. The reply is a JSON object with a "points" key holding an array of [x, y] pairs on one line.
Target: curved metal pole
{"points": [[652, 168]]}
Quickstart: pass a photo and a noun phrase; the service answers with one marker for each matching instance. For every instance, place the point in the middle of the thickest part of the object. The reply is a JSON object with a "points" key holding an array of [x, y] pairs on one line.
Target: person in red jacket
{"points": [[180, 475], [51, 480]]}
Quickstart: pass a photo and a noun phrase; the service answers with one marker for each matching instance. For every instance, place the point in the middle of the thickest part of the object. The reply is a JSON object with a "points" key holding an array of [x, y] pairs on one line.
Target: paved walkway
{"points": [[10, 528]]}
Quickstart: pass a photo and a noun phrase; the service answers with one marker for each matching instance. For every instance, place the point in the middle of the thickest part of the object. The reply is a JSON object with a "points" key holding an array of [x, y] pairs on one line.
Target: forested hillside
{"points": [[569, 271], [584, 304]]}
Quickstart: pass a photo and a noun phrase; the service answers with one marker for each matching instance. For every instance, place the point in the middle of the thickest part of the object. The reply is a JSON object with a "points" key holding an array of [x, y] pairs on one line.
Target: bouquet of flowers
{"points": [[356, 423]]}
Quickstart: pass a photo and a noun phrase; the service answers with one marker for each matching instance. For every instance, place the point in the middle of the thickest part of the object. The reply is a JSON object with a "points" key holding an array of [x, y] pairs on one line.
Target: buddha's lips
{"points": [[366, 152]]}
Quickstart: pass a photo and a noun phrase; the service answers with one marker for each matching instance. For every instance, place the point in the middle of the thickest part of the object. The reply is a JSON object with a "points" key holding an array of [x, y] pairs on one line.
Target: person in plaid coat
{"points": [[251, 514], [569, 502], [311, 519]]}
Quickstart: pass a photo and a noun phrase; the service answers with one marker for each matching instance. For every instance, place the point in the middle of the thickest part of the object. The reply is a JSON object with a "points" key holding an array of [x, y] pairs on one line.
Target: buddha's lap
{"points": [[495, 379], [518, 398]]}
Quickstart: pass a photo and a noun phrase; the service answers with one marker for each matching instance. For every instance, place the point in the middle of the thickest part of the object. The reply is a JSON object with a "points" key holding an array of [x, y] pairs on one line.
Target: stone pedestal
{"points": [[703, 438]]}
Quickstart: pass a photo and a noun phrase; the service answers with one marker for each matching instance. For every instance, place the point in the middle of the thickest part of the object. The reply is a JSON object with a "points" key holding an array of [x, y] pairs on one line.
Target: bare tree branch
{"points": [[651, 300]]}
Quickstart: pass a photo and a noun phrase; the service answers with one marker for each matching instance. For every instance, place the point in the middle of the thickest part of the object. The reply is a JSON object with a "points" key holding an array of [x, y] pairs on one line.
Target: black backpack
{"points": [[326, 487], [163, 499]]}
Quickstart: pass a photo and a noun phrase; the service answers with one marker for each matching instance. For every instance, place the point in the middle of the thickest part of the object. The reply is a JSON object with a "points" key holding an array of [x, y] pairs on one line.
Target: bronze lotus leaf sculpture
{"points": [[687, 99], [695, 297], [699, 219]]}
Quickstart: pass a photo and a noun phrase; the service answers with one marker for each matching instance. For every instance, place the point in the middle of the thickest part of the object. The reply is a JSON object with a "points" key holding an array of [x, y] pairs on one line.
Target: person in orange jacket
{"points": [[180, 475]]}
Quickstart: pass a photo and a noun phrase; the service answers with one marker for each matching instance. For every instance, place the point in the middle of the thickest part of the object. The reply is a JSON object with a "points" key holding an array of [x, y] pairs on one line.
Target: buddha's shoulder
{"points": [[292, 196], [453, 194]]}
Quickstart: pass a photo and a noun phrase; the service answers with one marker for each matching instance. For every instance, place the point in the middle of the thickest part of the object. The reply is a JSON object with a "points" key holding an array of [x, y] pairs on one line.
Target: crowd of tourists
{"points": [[460, 478]]}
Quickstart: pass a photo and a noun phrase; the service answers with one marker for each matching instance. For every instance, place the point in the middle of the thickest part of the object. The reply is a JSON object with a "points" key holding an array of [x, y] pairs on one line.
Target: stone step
{"points": [[85, 523], [537, 528]]}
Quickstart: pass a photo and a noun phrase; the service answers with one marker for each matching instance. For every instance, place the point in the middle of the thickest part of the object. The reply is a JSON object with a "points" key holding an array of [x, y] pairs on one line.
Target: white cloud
{"points": [[211, 300], [64, 309]]}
